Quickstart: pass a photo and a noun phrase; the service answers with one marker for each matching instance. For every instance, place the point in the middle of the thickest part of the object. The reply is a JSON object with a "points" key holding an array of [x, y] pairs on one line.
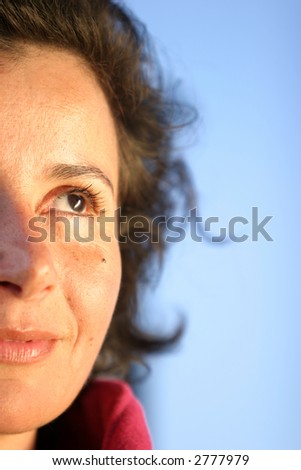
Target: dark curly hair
{"points": [[152, 179]]}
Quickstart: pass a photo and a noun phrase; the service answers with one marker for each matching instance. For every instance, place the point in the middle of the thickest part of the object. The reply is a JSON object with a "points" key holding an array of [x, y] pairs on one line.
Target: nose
{"points": [[26, 269]]}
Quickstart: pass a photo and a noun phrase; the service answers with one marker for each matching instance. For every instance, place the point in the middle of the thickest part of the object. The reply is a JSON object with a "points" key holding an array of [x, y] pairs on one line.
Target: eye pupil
{"points": [[77, 203]]}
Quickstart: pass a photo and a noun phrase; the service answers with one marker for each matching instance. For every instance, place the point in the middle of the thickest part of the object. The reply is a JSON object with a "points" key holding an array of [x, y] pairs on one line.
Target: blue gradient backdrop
{"points": [[234, 381]]}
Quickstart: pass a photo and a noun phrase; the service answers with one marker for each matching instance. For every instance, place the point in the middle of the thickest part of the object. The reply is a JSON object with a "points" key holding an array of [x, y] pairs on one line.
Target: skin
{"points": [[52, 111]]}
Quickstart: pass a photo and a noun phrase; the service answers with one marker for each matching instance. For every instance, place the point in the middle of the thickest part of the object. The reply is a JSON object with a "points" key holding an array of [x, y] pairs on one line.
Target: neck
{"points": [[23, 441]]}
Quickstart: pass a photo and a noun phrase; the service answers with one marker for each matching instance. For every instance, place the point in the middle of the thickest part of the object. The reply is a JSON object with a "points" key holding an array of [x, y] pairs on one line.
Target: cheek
{"points": [[90, 280]]}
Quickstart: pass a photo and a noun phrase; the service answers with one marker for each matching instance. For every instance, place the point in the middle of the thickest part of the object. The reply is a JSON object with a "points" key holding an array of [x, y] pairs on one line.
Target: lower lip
{"points": [[24, 352]]}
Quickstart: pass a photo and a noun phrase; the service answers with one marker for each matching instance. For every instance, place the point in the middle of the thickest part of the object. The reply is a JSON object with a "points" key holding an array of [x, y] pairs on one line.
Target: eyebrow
{"points": [[63, 171]]}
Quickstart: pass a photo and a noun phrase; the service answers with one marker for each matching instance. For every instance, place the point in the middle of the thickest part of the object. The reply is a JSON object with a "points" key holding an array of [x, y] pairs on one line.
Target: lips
{"points": [[25, 347]]}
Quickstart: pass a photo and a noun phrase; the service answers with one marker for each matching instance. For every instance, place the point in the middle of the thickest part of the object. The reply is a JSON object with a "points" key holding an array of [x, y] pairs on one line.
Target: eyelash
{"points": [[92, 198]]}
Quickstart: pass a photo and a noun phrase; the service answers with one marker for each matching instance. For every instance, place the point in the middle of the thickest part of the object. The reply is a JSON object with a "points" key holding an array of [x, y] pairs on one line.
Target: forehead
{"points": [[52, 108], [49, 77]]}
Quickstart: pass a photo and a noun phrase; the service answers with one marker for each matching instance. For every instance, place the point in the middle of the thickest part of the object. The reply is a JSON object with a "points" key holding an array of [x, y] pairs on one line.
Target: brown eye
{"points": [[76, 202], [72, 203]]}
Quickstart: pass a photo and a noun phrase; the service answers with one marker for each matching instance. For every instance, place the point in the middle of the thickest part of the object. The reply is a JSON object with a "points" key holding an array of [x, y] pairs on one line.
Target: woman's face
{"points": [[57, 296]]}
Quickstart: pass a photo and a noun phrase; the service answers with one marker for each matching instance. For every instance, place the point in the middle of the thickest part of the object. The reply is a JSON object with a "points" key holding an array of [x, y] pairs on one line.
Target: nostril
{"points": [[12, 286]]}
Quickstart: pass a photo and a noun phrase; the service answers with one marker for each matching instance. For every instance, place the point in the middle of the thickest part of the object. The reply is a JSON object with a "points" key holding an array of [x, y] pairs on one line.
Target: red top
{"points": [[106, 415]]}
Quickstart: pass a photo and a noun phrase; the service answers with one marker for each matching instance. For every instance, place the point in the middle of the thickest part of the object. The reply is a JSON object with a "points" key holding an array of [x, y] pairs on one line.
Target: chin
{"points": [[24, 408]]}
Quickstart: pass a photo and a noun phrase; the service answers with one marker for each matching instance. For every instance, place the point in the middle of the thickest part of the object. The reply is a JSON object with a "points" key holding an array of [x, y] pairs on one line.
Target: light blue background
{"points": [[234, 381]]}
